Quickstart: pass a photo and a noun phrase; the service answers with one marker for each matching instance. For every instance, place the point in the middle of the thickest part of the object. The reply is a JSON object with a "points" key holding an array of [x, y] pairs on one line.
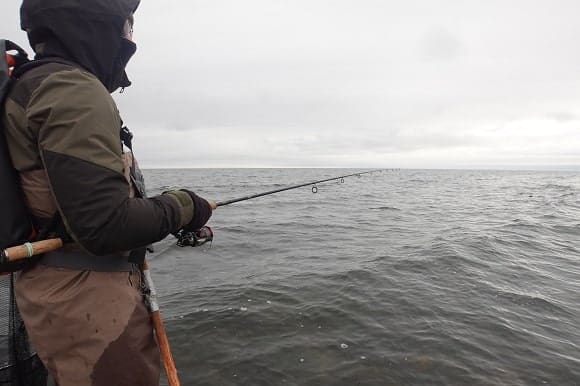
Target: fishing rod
{"points": [[314, 188], [199, 237], [205, 234]]}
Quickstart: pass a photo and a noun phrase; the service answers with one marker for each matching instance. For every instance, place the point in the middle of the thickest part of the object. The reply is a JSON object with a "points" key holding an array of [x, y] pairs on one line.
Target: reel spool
{"points": [[194, 239]]}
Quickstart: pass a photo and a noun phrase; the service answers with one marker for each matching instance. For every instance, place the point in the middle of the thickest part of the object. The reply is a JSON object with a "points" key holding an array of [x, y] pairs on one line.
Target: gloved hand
{"points": [[202, 210]]}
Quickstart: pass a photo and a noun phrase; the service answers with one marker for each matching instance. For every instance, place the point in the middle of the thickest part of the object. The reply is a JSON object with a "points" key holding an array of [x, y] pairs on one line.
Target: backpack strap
{"points": [[7, 62], [31, 64], [13, 60]]}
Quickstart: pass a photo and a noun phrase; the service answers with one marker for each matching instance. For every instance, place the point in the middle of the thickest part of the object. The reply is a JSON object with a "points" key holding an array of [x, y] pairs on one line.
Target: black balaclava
{"points": [[87, 32]]}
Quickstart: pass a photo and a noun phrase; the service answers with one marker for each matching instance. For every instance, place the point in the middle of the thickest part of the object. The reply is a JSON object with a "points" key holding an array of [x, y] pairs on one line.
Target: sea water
{"points": [[408, 277]]}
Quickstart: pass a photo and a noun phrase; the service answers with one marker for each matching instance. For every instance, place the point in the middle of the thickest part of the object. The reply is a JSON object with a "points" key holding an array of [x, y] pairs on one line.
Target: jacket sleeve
{"points": [[78, 137]]}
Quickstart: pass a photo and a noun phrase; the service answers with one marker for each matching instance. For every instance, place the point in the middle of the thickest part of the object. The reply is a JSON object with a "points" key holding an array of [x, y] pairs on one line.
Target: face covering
{"points": [[120, 79]]}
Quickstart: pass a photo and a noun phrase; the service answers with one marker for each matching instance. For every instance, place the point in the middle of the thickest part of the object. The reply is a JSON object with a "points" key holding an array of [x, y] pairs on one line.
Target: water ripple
{"points": [[408, 278]]}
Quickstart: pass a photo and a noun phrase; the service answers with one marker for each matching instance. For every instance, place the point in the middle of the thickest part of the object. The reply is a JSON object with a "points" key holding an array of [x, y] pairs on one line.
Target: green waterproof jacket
{"points": [[63, 130]]}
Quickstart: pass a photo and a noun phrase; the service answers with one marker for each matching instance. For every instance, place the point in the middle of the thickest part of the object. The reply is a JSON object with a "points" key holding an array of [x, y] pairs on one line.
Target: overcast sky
{"points": [[345, 83]]}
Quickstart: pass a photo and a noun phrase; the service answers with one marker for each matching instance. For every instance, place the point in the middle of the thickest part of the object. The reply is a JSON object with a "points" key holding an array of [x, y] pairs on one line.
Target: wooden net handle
{"points": [[160, 333], [27, 250]]}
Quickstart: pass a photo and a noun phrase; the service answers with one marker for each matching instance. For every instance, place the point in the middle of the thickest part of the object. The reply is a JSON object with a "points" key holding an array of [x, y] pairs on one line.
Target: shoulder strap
{"points": [[14, 63], [22, 69], [14, 54]]}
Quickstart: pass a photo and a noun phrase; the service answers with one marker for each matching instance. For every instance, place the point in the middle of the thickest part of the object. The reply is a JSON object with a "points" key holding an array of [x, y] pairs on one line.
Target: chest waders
{"points": [[28, 250]]}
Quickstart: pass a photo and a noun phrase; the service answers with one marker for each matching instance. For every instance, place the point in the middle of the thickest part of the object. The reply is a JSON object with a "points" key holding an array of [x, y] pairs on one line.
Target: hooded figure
{"points": [[89, 33], [82, 305]]}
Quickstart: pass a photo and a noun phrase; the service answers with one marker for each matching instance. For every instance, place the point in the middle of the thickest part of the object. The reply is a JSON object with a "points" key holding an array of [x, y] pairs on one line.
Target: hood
{"points": [[87, 32]]}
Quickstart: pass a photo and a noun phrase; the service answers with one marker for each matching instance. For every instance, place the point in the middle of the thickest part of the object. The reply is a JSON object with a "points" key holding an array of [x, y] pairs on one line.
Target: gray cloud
{"points": [[441, 44], [348, 83], [563, 116]]}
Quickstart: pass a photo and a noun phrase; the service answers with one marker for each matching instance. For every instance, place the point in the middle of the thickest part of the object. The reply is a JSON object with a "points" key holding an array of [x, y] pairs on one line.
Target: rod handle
{"points": [[27, 250]]}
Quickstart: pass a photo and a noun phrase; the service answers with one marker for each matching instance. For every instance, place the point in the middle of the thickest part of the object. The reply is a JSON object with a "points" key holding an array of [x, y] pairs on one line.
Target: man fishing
{"points": [[82, 305]]}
